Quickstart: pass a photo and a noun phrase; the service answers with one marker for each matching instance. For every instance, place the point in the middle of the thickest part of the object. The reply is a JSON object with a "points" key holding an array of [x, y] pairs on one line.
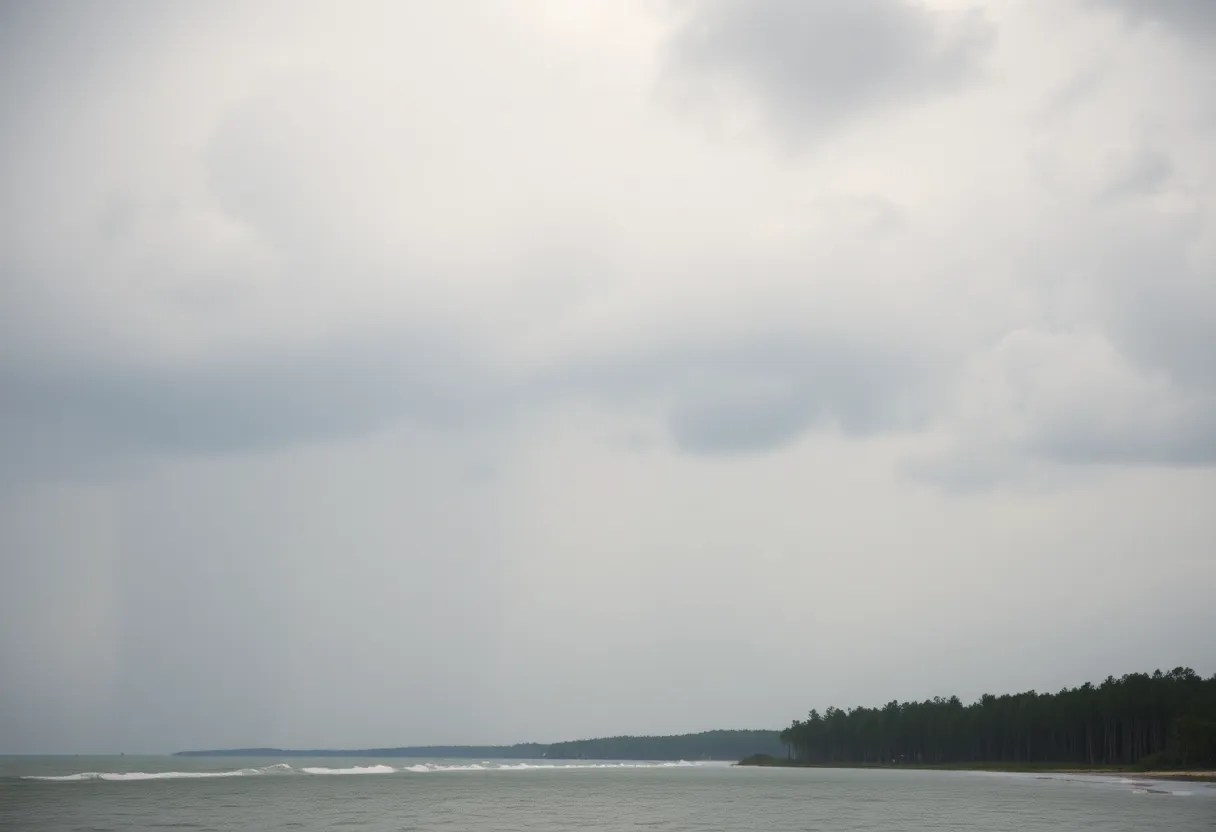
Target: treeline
{"points": [[1157, 720], [523, 751], [708, 745]]}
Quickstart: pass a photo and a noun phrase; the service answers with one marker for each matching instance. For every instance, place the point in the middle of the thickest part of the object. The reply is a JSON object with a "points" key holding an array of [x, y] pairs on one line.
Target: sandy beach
{"points": [[1196, 776], [1192, 776]]}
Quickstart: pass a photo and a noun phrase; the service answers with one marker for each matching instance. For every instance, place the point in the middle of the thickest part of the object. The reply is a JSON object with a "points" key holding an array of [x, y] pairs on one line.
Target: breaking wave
{"points": [[1139, 785], [279, 768], [351, 770], [286, 769], [485, 766]]}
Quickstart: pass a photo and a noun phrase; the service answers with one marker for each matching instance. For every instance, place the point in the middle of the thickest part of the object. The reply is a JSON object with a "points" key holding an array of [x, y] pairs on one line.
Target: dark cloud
{"points": [[1143, 172], [77, 413], [1193, 18], [62, 46], [1041, 403], [729, 394], [1189, 442], [726, 395], [812, 64], [1159, 295], [743, 415], [1055, 451], [765, 394]]}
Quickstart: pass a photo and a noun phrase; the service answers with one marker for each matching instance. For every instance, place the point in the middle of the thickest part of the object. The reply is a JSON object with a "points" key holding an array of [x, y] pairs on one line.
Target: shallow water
{"points": [[101, 794]]}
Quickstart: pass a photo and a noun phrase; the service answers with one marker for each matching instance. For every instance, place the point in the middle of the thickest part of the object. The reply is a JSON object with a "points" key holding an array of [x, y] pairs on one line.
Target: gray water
{"points": [[133, 793]]}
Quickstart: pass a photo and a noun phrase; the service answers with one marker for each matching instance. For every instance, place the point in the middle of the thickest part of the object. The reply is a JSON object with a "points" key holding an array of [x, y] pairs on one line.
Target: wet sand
{"points": [[1188, 776]]}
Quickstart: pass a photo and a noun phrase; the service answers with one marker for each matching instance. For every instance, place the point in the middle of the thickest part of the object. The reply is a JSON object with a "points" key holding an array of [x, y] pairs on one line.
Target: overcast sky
{"points": [[474, 372]]}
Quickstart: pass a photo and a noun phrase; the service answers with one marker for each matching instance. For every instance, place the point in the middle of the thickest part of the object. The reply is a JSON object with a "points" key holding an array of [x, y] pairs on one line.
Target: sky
{"points": [[387, 373]]}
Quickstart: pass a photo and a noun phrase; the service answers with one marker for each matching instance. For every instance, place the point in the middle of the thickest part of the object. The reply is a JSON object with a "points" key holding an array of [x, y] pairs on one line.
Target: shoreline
{"points": [[1183, 775], [1179, 776]]}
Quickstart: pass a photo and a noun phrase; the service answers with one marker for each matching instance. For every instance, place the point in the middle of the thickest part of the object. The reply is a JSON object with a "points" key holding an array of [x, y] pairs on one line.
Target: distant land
{"points": [[707, 745], [1143, 721], [1158, 722]]}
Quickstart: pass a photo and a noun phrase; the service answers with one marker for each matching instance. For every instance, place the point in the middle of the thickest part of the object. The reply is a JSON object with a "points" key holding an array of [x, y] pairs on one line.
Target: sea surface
{"points": [[215, 793]]}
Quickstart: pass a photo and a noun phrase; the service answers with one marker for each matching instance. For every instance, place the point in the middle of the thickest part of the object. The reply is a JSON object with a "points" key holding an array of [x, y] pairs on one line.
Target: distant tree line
{"points": [[1162, 719], [521, 751], [708, 745]]}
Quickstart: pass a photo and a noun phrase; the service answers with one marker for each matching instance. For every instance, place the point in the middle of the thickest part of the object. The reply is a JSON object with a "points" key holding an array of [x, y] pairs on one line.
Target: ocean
{"points": [[104, 794]]}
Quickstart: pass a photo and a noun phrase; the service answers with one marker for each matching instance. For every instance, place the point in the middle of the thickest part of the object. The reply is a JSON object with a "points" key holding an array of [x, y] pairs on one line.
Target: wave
{"points": [[119, 776], [285, 768], [423, 768], [352, 770], [1139, 785], [535, 766]]}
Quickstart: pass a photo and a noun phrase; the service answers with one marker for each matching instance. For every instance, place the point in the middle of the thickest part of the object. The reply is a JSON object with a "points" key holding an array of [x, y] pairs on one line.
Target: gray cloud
{"points": [[813, 64], [352, 393], [725, 395], [1192, 18], [247, 403], [1142, 172], [1133, 385], [1041, 402], [740, 414], [766, 396], [1160, 300]]}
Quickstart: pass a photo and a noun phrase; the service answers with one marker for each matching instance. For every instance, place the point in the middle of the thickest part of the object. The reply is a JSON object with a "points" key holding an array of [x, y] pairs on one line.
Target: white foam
{"points": [[428, 768], [120, 776], [147, 775], [582, 765], [178, 775], [352, 770], [418, 768]]}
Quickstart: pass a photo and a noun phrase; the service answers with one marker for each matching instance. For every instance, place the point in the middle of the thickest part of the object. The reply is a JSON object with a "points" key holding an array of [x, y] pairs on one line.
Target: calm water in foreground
{"points": [[134, 793]]}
